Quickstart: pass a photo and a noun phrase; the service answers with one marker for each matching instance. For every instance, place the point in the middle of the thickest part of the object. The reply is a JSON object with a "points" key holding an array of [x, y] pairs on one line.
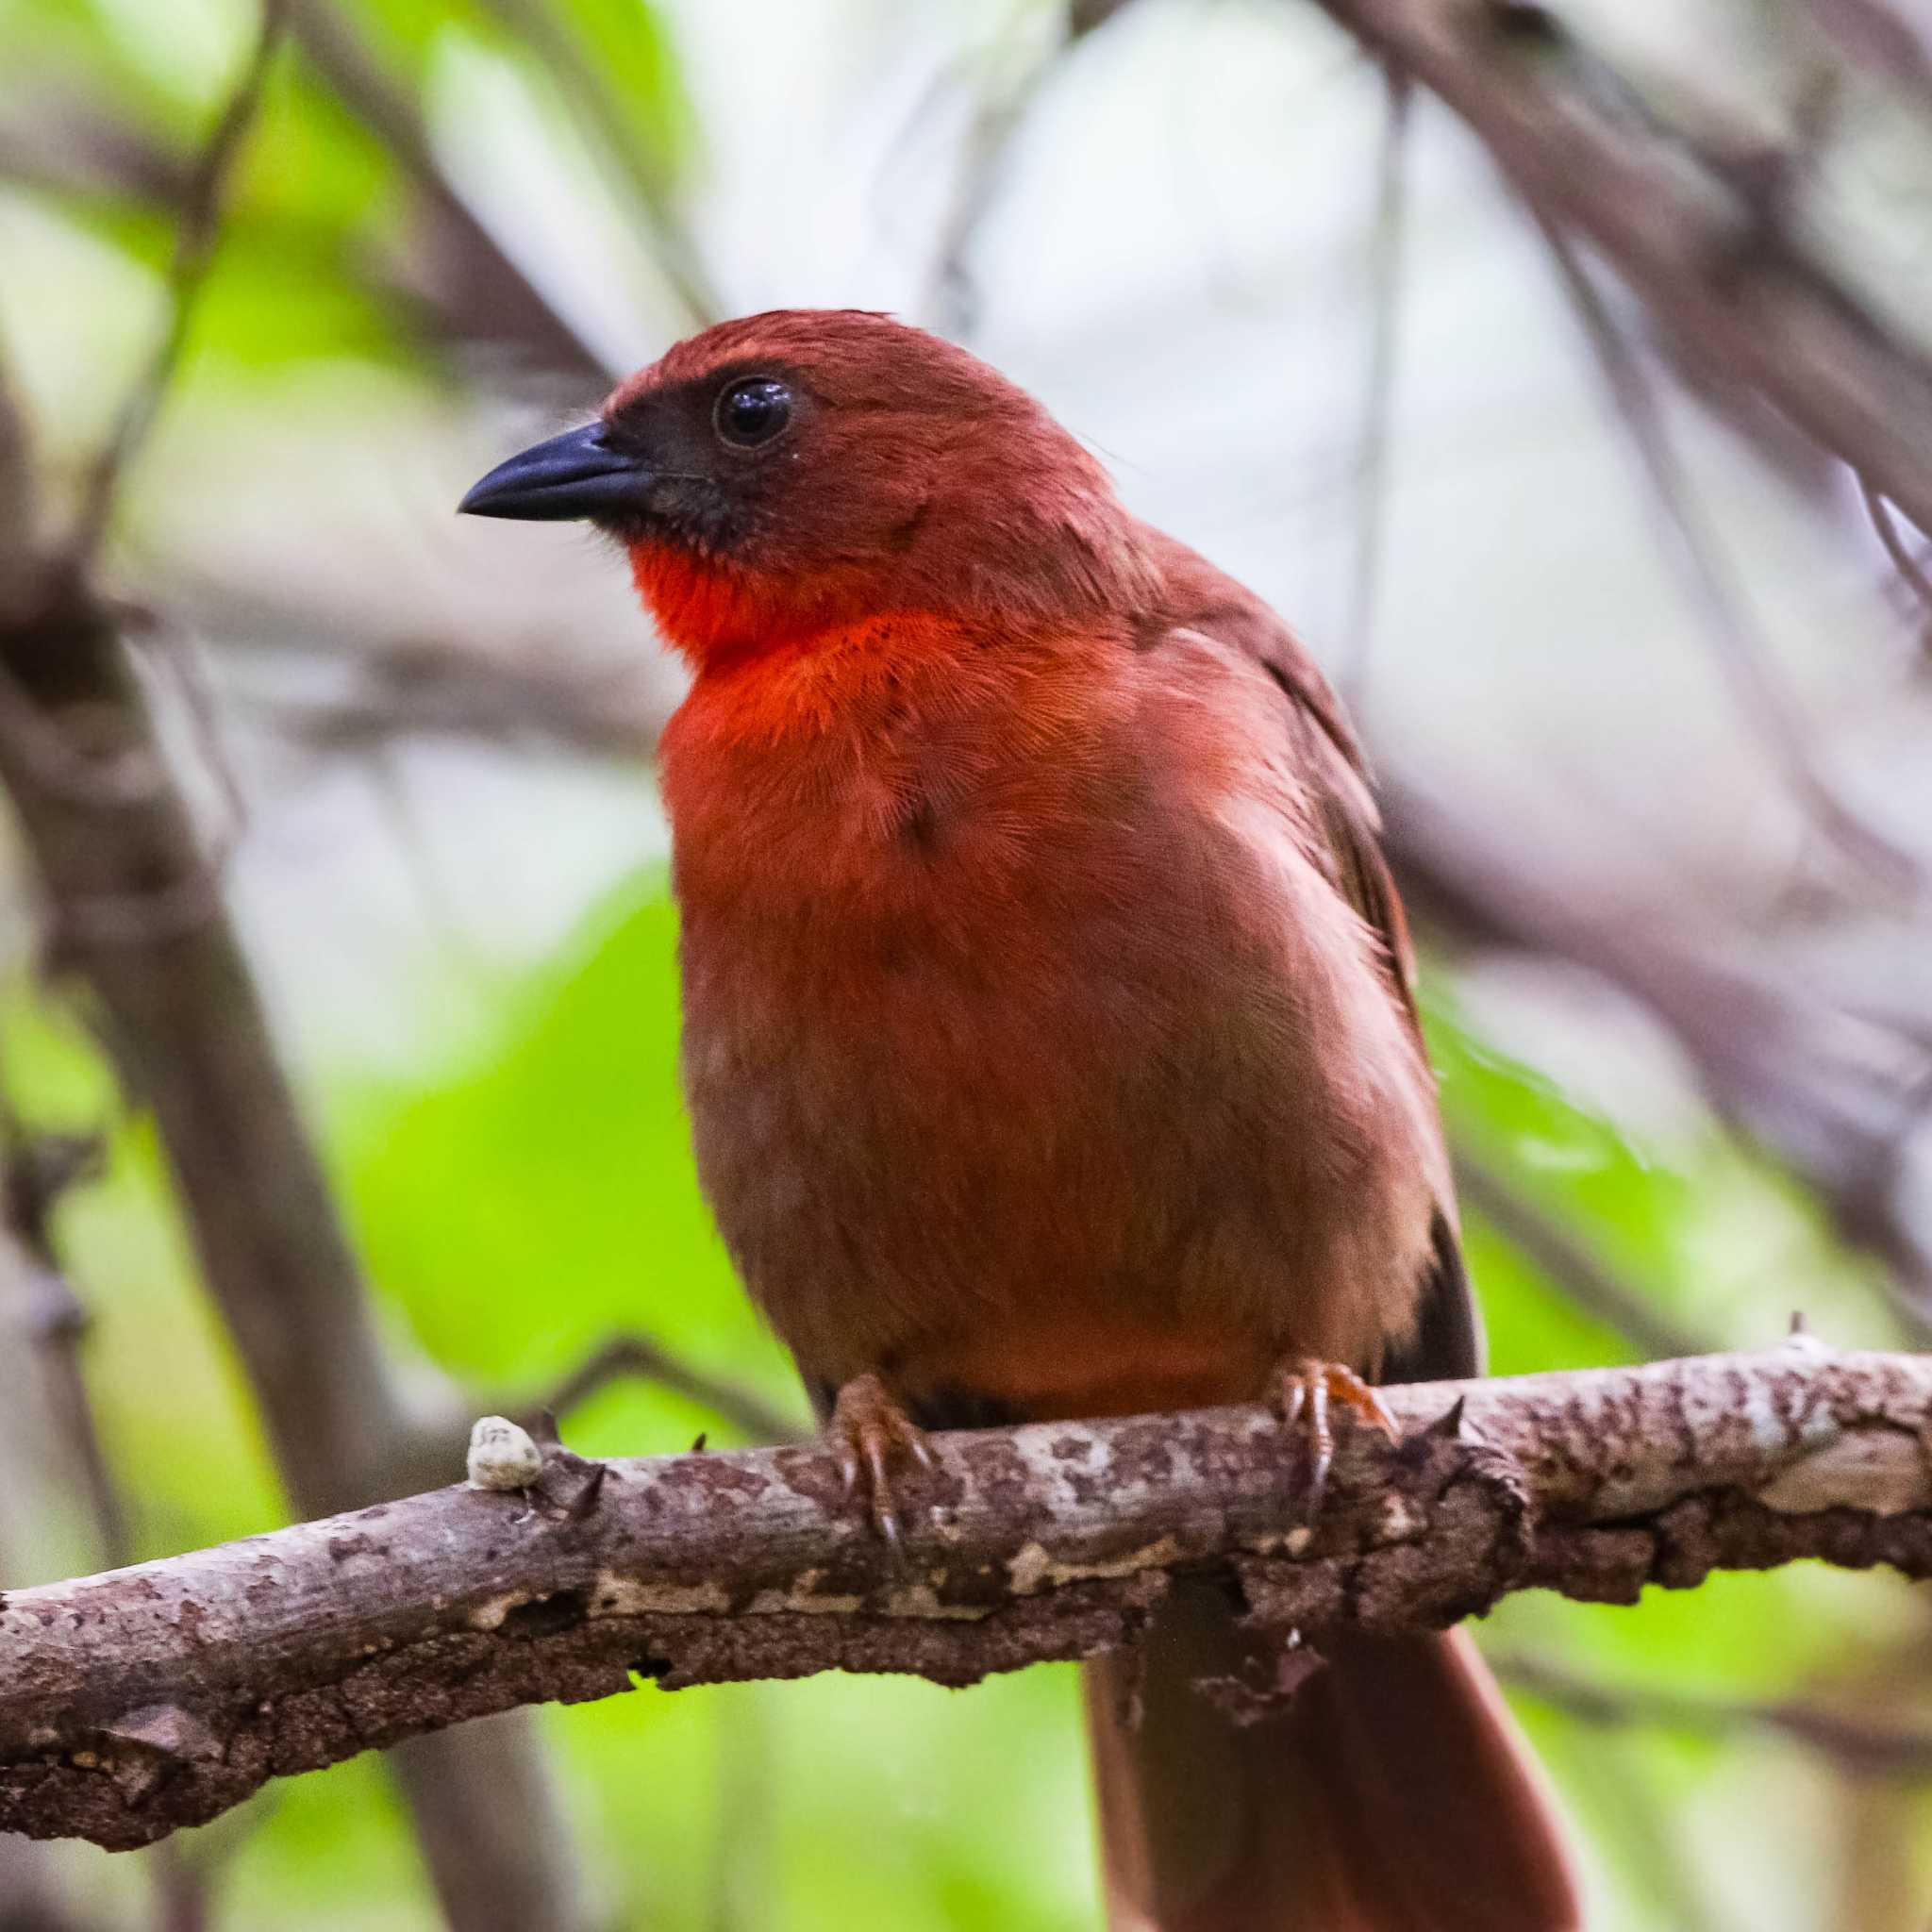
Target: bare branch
{"points": [[1582, 1275], [1857, 1744], [1741, 294], [1910, 570], [137, 1702], [1725, 616], [195, 240], [190, 1034], [637, 1355], [477, 287], [1378, 390], [1768, 1066]]}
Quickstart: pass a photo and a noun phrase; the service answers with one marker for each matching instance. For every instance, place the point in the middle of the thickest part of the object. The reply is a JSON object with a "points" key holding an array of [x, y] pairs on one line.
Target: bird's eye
{"points": [[752, 410]]}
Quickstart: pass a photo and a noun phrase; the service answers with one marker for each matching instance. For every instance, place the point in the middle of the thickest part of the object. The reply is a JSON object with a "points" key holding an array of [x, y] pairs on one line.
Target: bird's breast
{"points": [[1007, 1055]]}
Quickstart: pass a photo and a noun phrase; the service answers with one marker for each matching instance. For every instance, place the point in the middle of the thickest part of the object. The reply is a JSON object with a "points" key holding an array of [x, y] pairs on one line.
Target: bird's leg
{"points": [[1301, 1390], [868, 1431]]}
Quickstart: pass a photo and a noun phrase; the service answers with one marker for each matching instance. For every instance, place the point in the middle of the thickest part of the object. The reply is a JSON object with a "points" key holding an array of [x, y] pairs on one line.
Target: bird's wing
{"points": [[1342, 811]]}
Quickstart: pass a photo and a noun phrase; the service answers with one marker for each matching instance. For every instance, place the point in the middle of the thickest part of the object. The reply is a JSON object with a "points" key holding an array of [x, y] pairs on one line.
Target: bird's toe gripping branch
{"points": [[1302, 1391], [869, 1433]]}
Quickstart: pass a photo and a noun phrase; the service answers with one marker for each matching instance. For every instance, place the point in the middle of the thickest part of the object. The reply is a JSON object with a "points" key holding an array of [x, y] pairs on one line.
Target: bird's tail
{"points": [[1389, 1795]]}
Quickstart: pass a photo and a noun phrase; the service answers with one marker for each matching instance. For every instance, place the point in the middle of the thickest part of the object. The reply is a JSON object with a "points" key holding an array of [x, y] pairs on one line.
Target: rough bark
{"points": [[150, 1698]]}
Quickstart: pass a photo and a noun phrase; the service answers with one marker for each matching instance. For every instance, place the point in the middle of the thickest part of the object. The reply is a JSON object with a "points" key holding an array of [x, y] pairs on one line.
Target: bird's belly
{"points": [[1093, 1168]]}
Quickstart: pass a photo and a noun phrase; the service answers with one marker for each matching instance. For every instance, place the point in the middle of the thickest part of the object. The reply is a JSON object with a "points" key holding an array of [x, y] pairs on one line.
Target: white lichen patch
{"points": [[1397, 1521], [635, 1596], [922, 1600], [1032, 1567], [804, 1601], [502, 1456], [1709, 1405], [1284, 1542], [1055, 1479], [1027, 1567], [1882, 1471]]}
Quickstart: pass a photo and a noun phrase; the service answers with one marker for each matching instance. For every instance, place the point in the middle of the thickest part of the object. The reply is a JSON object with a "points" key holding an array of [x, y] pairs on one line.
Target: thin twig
{"points": [[57, 141], [476, 286], [35, 1171], [678, 258], [196, 237], [1675, 224], [1726, 622], [1911, 572], [1570, 1263], [627, 1356], [1857, 1745], [1370, 490], [998, 116]]}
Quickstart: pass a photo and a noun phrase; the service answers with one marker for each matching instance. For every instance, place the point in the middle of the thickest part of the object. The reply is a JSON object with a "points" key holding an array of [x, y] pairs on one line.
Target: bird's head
{"points": [[799, 470]]}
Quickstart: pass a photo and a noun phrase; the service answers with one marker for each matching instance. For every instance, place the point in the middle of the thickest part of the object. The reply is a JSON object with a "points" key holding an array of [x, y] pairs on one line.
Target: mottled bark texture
{"points": [[140, 1701]]}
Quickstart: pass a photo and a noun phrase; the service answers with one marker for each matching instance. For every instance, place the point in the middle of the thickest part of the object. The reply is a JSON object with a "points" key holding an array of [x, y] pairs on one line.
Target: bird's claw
{"points": [[868, 1432], [1301, 1391]]}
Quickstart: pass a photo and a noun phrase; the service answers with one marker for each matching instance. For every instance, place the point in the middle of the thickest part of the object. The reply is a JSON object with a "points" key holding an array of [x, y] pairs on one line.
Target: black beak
{"points": [[574, 474]]}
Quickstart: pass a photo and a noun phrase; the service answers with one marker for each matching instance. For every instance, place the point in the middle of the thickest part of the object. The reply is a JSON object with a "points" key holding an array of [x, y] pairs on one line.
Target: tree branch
{"points": [[637, 1356], [137, 1702], [1550, 1244], [134, 913], [1857, 1745], [197, 235], [1710, 586], [473, 283], [1767, 1063], [1736, 289]]}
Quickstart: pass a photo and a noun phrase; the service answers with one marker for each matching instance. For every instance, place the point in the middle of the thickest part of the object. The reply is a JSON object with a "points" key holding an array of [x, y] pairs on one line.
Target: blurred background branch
{"points": [[133, 912]]}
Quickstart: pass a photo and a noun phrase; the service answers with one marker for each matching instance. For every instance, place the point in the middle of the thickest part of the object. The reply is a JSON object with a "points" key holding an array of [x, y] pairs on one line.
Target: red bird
{"points": [[1049, 1039]]}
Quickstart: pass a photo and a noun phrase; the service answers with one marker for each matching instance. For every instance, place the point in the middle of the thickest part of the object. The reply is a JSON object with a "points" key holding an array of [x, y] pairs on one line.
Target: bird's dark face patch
{"points": [[780, 475], [720, 457]]}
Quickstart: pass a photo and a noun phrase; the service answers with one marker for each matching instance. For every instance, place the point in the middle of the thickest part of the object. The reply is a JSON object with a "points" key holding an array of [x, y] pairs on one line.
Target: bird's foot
{"points": [[869, 1432], [1303, 1393]]}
